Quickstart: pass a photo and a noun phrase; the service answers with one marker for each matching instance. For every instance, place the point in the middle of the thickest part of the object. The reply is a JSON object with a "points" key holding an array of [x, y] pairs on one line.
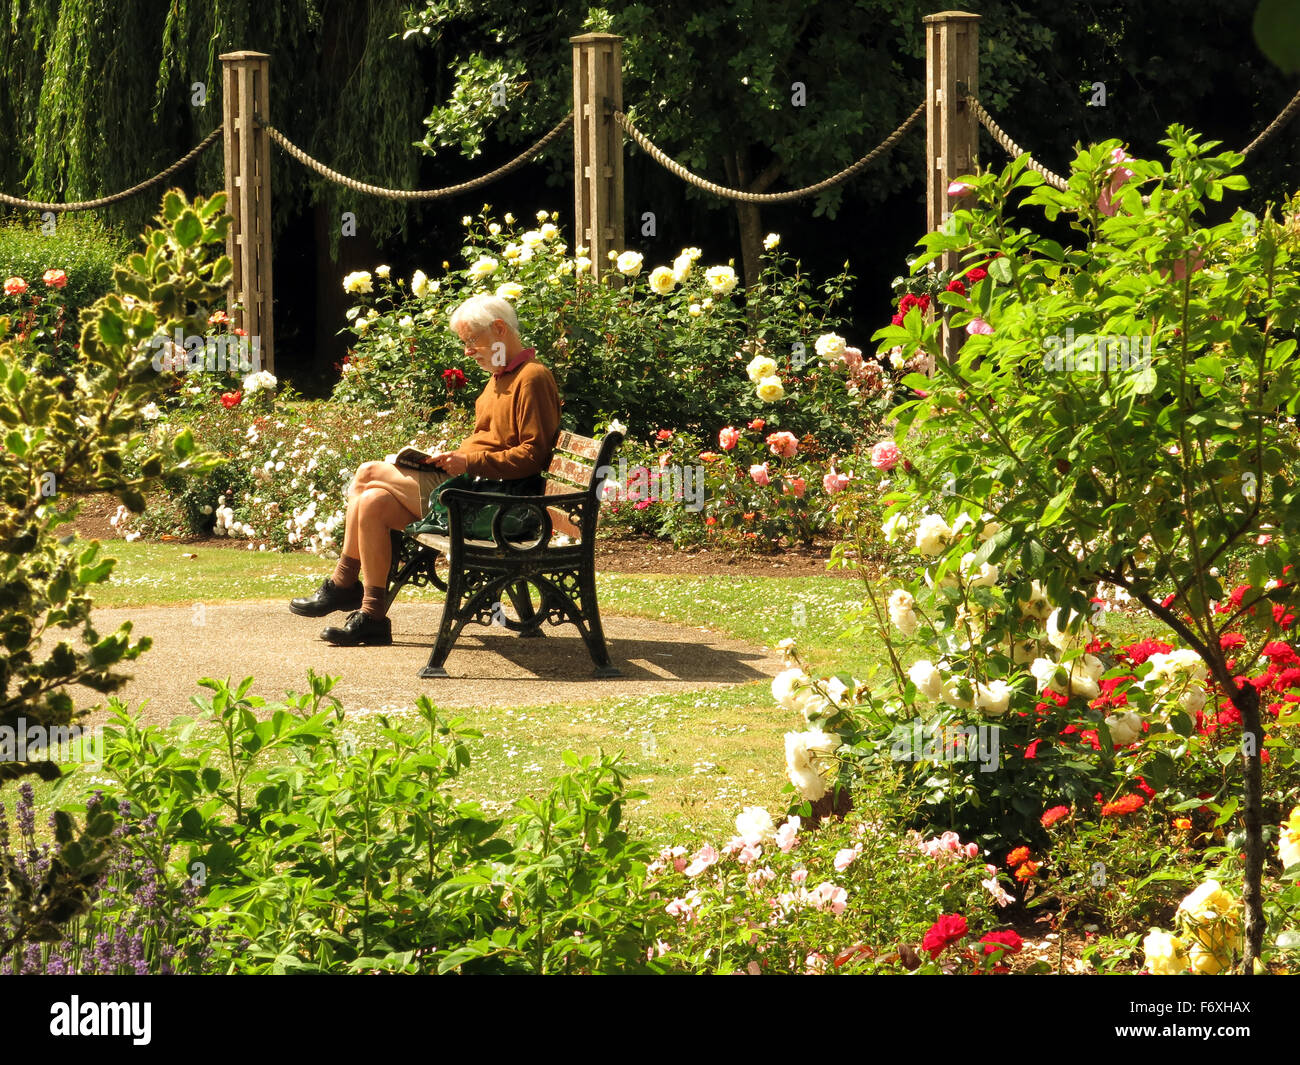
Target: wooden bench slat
{"points": [[574, 472], [578, 445]]}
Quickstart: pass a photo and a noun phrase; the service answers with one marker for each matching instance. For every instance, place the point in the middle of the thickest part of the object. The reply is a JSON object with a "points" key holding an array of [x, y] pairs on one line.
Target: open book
{"points": [[411, 458]]}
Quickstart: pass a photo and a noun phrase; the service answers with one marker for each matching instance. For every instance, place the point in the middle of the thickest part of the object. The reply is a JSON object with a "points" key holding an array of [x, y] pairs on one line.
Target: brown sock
{"points": [[346, 572], [372, 601]]}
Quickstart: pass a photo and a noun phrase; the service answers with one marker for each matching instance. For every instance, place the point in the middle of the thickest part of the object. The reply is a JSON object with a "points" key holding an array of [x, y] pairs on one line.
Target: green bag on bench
{"points": [[518, 524]]}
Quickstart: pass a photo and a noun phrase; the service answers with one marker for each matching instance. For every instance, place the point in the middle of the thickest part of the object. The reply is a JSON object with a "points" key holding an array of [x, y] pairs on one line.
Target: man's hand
{"points": [[453, 462]]}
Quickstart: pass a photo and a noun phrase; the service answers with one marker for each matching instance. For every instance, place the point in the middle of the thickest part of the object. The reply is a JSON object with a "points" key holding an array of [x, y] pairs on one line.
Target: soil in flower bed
{"points": [[627, 555]]}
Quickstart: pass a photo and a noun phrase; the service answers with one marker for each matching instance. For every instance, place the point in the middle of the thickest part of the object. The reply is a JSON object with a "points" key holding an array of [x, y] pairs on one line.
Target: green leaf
{"points": [[1056, 506], [189, 229], [1000, 270], [111, 328]]}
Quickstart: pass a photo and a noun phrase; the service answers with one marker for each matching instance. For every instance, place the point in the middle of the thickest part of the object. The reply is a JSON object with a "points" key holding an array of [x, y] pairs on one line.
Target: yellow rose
{"points": [[382, 271], [582, 264], [485, 267], [511, 290], [830, 346], [721, 279], [419, 283], [550, 230], [357, 282], [770, 389], [760, 367], [629, 263], [1288, 843], [1165, 953], [771, 241], [532, 238], [695, 310], [662, 280], [542, 216]]}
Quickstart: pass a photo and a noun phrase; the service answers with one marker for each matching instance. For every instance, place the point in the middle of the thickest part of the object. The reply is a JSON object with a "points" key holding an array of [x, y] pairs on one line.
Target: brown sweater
{"points": [[516, 424]]}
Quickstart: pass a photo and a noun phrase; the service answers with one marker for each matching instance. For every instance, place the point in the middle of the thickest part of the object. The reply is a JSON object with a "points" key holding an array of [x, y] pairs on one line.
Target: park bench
{"points": [[543, 581]]}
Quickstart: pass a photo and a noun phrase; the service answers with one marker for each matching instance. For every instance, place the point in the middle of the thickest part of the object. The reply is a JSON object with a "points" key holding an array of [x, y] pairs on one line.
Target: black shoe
{"points": [[328, 598], [360, 630]]}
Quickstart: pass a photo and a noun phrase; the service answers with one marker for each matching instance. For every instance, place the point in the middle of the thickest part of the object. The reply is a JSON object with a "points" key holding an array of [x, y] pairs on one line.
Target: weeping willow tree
{"points": [[97, 94]]}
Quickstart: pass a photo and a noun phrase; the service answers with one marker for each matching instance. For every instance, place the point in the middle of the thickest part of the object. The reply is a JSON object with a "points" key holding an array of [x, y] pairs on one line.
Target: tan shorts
{"points": [[429, 480]]}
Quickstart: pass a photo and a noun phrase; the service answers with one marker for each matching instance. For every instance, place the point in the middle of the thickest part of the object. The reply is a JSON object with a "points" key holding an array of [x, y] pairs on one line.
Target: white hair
{"points": [[479, 312]]}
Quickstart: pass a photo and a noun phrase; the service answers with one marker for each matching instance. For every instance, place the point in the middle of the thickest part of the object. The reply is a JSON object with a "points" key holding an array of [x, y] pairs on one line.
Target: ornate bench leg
{"points": [[523, 603], [593, 633], [448, 628]]}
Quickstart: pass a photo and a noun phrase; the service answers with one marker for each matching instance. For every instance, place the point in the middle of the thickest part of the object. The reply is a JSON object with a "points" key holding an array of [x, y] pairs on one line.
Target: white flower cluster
{"points": [[933, 682], [226, 525]]}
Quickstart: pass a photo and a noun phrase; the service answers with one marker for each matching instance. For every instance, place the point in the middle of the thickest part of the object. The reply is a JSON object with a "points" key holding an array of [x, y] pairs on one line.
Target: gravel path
{"points": [[488, 667]]}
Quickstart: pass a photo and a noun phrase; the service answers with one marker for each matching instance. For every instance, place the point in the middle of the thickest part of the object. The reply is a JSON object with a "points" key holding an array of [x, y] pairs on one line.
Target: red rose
{"points": [[1056, 813], [231, 399], [956, 286], [1126, 805], [757, 425], [55, 278], [976, 275], [945, 931], [453, 378], [1020, 854], [998, 945]]}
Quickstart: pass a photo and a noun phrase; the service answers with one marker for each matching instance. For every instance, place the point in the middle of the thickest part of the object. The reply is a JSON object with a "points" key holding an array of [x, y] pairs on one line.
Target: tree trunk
{"points": [[749, 215], [1246, 700]]}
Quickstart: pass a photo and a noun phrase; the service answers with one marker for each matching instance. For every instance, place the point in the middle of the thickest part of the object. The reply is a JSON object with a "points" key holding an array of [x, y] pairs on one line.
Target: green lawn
{"points": [[699, 756]]}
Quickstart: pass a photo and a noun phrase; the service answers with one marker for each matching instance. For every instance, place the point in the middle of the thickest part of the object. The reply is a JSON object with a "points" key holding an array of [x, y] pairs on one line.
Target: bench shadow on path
{"points": [[561, 655]]}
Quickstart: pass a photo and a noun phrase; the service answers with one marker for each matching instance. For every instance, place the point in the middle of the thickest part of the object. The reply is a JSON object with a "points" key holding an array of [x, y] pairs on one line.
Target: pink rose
{"points": [[972, 851], [1118, 175], [799, 876], [797, 486], [759, 474], [55, 278], [846, 857], [15, 286], [835, 482], [783, 444], [787, 837], [885, 455], [959, 188], [749, 853], [978, 325], [704, 857], [728, 438]]}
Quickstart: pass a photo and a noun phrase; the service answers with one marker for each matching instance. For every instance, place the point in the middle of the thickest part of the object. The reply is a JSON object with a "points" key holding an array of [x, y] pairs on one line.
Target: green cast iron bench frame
{"points": [[544, 582]]}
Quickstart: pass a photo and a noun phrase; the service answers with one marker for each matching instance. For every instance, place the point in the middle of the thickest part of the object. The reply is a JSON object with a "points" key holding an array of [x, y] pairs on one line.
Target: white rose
{"points": [[419, 284], [953, 688], [1124, 728], [771, 241], [1045, 672], [533, 238], [1037, 605], [932, 534], [550, 230], [1023, 651], [629, 263], [802, 752], [382, 271], [754, 825], [770, 388], [830, 346], [993, 698], [895, 527], [1192, 701], [928, 680], [986, 577], [1058, 634]]}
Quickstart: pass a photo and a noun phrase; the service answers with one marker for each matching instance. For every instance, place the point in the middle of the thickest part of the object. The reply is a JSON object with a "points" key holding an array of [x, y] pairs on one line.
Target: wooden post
{"points": [[248, 189], [951, 129], [597, 146]]}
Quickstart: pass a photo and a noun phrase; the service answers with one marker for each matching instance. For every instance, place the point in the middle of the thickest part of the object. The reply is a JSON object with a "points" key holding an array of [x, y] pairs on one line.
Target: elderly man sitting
{"points": [[516, 425]]}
